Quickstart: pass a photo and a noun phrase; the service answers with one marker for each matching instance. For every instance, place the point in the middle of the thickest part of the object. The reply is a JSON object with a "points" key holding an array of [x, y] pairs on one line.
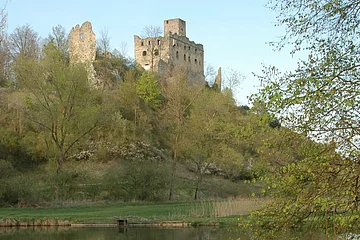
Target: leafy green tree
{"points": [[126, 118], [209, 135], [179, 97], [60, 103], [15, 189], [112, 71], [320, 100], [60, 38], [131, 107], [141, 174], [148, 89]]}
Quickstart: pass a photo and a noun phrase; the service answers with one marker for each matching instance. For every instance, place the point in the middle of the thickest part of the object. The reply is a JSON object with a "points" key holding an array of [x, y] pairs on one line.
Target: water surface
{"points": [[68, 233], [72, 233]]}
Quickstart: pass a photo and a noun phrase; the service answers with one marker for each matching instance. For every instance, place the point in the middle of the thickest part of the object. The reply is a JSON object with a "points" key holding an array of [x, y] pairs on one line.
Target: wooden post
{"points": [[122, 222]]}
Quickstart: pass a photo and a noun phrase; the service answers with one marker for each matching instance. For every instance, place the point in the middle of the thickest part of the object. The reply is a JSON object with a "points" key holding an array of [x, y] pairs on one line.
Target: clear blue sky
{"points": [[234, 32]]}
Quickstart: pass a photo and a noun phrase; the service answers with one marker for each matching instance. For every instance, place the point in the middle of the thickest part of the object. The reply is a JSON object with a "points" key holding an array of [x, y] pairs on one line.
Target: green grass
{"points": [[201, 212]]}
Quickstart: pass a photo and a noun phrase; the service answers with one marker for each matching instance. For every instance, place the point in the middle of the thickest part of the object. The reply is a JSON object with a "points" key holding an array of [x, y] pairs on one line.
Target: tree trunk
{"points": [[57, 193], [172, 186], [60, 160], [197, 188], [172, 179], [196, 196]]}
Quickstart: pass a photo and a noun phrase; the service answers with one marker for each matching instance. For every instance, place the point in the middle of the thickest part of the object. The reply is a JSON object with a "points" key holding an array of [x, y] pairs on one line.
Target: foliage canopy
{"points": [[320, 100]]}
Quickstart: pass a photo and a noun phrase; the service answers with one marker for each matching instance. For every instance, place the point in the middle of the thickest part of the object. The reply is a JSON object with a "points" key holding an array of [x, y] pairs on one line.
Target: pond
{"points": [[71, 233]]}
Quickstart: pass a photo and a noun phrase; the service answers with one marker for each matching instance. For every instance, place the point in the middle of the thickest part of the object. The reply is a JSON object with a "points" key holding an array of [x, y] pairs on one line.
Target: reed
{"points": [[222, 208], [238, 206]]}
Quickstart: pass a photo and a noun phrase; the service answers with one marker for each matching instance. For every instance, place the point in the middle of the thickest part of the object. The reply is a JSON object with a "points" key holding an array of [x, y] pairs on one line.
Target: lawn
{"points": [[209, 212]]}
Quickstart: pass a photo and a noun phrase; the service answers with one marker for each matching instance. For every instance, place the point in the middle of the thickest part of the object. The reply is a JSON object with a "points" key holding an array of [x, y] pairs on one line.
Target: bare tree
{"points": [[232, 80], [60, 38], [3, 23], [153, 42], [151, 31], [210, 74], [104, 41], [24, 41], [4, 48], [123, 49]]}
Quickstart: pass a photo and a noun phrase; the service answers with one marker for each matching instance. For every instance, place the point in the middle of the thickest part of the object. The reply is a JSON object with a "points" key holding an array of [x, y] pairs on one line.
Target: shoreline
{"points": [[164, 224]]}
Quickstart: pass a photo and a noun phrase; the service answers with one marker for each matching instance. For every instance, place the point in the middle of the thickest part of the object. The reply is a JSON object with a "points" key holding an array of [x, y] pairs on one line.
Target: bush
{"points": [[14, 188], [66, 182], [144, 182]]}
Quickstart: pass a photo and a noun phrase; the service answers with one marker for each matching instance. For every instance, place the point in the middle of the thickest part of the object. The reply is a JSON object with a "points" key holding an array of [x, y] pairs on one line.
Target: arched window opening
{"points": [[184, 57], [147, 66], [177, 54], [156, 52], [144, 53]]}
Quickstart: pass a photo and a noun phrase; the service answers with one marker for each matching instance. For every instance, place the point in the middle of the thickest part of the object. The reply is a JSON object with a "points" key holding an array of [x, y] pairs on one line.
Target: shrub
{"points": [[144, 182]]}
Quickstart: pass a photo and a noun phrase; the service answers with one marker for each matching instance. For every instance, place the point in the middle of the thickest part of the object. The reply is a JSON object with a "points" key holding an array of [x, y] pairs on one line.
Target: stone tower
{"points": [[173, 50], [175, 26], [82, 44], [82, 49]]}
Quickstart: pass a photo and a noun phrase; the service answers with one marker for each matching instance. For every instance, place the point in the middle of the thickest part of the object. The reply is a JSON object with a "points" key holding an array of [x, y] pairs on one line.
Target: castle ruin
{"points": [[172, 51], [218, 80], [162, 54], [82, 43], [82, 48]]}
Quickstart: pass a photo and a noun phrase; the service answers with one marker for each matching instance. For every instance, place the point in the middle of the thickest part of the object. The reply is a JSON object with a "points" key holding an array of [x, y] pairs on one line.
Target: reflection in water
{"points": [[42, 233], [68, 233]]}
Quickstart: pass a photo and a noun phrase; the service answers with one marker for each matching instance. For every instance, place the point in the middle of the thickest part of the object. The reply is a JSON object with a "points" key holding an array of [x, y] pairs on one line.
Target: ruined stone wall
{"points": [[174, 50], [218, 80], [186, 53], [149, 52], [82, 49], [82, 44]]}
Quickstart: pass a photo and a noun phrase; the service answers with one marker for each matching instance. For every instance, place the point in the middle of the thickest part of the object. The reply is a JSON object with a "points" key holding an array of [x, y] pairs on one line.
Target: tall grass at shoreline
{"points": [[238, 206], [220, 208]]}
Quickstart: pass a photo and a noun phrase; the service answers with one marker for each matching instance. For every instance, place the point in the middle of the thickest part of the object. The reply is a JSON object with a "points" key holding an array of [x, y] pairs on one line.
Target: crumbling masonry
{"points": [[163, 54], [172, 51], [82, 48], [82, 42]]}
